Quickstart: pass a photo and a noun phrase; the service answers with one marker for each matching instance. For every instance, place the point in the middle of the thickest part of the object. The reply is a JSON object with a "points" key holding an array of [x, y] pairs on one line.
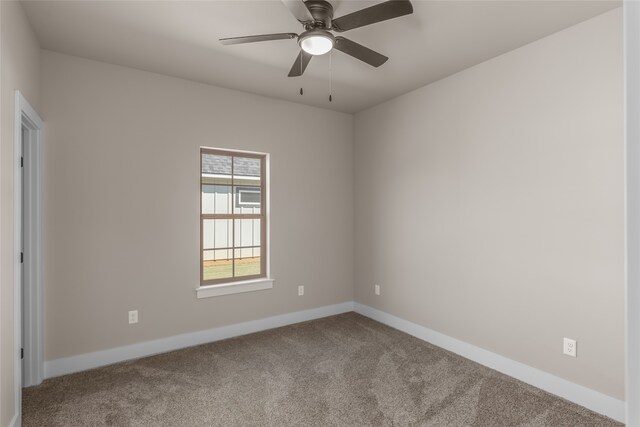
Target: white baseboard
{"points": [[583, 396], [16, 421], [578, 394], [82, 362]]}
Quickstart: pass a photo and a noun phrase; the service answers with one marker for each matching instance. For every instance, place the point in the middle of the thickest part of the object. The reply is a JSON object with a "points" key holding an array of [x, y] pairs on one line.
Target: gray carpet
{"points": [[344, 370]]}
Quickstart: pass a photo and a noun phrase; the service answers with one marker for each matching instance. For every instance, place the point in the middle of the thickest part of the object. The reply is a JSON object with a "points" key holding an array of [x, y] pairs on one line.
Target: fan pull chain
{"points": [[301, 91], [330, 76]]}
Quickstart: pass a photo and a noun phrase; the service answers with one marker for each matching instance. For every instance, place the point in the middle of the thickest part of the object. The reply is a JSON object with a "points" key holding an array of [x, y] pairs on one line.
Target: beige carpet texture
{"points": [[344, 370]]}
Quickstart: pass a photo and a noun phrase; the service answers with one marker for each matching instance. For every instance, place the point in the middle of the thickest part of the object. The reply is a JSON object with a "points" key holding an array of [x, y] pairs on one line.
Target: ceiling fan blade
{"points": [[259, 38], [360, 52], [299, 10], [378, 13], [301, 64]]}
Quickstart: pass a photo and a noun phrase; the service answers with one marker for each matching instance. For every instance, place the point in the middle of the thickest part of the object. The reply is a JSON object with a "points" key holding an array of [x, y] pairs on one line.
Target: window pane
{"points": [[215, 164], [247, 200], [216, 199], [217, 254], [216, 169], [247, 233], [231, 184], [217, 234], [247, 262], [247, 171], [216, 266]]}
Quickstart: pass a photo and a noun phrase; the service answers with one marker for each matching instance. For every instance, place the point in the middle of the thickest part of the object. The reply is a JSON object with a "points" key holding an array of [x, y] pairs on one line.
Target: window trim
{"points": [[260, 281]]}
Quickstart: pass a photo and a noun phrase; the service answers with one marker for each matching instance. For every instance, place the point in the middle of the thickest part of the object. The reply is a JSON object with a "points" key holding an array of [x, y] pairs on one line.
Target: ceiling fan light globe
{"points": [[316, 44]]}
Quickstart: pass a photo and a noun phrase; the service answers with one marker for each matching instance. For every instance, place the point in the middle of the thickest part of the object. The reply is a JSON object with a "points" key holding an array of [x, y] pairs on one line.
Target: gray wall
{"points": [[489, 205], [133, 138], [20, 68]]}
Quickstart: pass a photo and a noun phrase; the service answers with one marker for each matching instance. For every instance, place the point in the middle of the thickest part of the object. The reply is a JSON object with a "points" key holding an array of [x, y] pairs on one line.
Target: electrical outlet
{"points": [[376, 289], [300, 290], [133, 317], [570, 347]]}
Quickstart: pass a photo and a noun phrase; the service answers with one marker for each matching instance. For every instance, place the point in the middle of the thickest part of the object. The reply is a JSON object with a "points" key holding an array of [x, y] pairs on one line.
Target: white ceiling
{"points": [[180, 38]]}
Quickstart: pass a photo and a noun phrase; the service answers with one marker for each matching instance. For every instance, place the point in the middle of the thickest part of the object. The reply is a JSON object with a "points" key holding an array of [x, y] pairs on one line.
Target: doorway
{"points": [[28, 333]]}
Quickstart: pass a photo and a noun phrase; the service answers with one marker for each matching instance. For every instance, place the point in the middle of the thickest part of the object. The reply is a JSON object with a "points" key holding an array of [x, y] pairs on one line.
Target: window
{"points": [[232, 216], [248, 196]]}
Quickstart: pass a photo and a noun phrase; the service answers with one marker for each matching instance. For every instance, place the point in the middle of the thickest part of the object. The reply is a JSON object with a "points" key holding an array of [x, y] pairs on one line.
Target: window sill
{"points": [[234, 288]]}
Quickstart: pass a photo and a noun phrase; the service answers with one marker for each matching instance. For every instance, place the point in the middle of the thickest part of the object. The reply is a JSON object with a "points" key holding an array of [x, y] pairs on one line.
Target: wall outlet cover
{"points": [[570, 347]]}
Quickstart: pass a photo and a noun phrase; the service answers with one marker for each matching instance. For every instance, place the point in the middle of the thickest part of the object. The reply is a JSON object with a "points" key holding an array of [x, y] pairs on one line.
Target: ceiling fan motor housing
{"points": [[322, 13]]}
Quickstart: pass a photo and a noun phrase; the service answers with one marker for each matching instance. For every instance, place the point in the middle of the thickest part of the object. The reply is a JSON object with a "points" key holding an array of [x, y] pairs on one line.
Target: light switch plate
{"points": [[133, 317]]}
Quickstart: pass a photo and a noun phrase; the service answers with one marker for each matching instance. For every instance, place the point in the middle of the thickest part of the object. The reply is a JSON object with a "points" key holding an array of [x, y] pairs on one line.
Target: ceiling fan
{"points": [[316, 16]]}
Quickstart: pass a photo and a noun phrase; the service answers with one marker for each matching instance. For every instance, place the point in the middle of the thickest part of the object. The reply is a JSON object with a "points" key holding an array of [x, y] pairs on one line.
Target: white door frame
{"points": [[26, 116]]}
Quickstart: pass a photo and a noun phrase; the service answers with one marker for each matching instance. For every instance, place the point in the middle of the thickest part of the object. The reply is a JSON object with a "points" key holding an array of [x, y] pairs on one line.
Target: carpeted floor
{"points": [[345, 370]]}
